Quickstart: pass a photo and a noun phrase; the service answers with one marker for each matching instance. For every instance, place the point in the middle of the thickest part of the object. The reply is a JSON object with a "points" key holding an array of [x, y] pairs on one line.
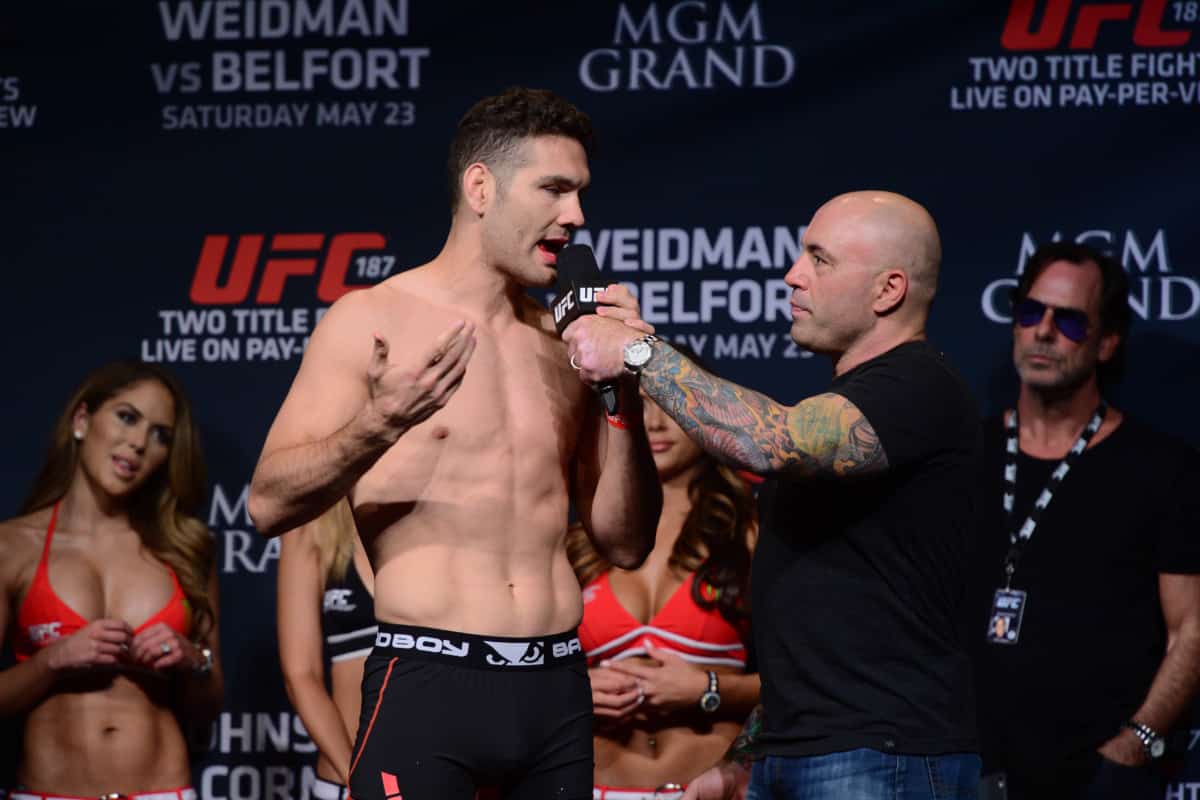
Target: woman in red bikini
{"points": [[666, 643], [112, 597]]}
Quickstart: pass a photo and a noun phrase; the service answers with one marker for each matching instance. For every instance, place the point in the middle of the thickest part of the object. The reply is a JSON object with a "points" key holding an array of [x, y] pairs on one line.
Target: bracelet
{"points": [[205, 668]]}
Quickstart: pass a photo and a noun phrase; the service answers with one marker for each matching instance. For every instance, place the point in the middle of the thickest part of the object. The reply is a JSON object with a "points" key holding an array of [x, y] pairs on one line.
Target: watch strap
{"points": [[1146, 735], [710, 699]]}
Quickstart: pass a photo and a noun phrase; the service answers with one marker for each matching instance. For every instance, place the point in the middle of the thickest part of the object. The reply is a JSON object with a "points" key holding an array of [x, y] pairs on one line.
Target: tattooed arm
{"points": [[729, 778], [822, 435], [741, 751]]}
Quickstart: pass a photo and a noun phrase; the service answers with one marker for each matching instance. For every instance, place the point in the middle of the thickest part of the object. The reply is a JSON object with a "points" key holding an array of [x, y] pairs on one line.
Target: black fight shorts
{"points": [[445, 714]]}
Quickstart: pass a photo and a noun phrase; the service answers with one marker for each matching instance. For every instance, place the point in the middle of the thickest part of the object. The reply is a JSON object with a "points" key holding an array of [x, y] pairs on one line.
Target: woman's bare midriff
{"points": [[106, 732], [649, 752]]}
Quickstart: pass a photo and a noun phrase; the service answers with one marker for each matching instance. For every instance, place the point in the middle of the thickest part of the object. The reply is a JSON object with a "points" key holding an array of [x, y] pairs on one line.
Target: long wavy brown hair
{"points": [[164, 509], [714, 543], [333, 536]]}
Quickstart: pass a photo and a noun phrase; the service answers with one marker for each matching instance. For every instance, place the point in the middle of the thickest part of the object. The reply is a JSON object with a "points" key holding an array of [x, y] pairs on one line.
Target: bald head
{"points": [[890, 231]]}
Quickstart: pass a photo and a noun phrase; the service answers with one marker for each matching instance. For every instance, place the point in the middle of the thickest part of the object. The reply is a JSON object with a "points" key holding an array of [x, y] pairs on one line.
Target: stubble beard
{"points": [[803, 336], [1062, 380]]}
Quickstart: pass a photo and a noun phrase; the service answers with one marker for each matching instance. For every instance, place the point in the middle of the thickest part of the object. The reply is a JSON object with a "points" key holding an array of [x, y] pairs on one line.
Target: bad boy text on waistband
{"points": [[488, 652]]}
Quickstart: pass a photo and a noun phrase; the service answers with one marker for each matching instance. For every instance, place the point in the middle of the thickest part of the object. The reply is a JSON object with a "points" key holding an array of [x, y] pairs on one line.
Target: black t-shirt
{"points": [[858, 584], [1092, 636]]}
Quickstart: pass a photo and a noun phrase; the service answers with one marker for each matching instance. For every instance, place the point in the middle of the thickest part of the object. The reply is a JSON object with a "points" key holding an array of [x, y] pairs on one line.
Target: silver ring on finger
{"points": [[165, 647], [573, 364]]}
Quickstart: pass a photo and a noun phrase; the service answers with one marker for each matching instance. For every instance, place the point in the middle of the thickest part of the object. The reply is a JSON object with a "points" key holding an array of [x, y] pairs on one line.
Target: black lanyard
{"points": [[1019, 537]]}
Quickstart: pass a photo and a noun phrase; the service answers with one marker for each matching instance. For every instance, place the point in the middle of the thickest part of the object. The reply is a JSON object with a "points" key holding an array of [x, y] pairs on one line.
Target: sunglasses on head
{"points": [[1071, 322]]}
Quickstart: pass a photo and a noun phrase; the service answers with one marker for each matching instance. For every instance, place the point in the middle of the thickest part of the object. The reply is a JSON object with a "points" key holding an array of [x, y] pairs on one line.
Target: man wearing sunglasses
{"points": [[1086, 566]]}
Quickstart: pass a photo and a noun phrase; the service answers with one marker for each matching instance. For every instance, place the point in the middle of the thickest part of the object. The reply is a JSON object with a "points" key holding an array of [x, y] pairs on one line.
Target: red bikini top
{"points": [[701, 636], [44, 617]]}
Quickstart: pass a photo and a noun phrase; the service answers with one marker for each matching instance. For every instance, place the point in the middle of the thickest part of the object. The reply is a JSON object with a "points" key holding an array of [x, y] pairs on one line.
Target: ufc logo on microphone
{"points": [[563, 306]]}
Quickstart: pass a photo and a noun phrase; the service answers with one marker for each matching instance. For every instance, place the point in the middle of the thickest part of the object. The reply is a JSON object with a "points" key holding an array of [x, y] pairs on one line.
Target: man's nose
{"points": [[572, 215], [796, 277], [1045, 328]]}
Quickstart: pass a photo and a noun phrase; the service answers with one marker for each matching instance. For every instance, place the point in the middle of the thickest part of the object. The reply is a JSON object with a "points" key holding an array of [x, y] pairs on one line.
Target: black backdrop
{"points": [[191, 182]]}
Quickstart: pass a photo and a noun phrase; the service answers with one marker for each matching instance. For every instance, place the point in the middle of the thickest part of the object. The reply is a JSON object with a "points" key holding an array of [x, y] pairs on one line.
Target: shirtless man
{"points": [[444, 405]]}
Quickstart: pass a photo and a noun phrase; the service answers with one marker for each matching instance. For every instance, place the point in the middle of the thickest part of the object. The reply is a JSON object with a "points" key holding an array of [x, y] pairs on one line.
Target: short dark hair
{"points": [[1115, 312], [492, 130]]}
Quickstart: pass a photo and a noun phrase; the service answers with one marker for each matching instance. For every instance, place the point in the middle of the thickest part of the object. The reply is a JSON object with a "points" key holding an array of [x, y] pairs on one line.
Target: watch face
{"points": [[711, 701], [638, 353], [1157, 748]]}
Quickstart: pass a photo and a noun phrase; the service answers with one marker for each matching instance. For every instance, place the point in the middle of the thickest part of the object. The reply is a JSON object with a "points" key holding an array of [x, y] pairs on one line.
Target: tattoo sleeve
{"points": [[742, 750], [823, 435]]}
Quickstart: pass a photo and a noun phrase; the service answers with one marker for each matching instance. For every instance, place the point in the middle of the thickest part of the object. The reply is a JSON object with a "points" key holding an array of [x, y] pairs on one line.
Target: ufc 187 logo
{"points": [[290, 256], [1055, 20]]}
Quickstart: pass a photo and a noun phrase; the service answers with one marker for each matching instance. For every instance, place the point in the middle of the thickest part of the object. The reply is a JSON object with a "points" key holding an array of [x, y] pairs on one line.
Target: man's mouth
{"points": [[549, 248], [1040, 359]]}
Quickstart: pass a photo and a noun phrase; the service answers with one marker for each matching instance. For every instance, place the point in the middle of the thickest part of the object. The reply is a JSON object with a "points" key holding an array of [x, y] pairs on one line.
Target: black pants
{"points": [[1100, 779], [445, 713]]}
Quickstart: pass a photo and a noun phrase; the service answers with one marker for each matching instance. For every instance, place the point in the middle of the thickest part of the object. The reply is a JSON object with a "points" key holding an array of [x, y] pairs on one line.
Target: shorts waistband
{"points": [[480, 652], [183, 793], [668, 791], [328, 790]]}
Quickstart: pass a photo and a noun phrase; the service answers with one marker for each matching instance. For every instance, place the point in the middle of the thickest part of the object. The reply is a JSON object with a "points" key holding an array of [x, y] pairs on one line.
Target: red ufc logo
{"points": [[303, 248], [1147, 31]]}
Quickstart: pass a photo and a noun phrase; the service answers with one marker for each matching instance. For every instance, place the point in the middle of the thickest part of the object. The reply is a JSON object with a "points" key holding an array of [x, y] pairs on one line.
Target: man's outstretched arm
{"points": [[822, 435]]}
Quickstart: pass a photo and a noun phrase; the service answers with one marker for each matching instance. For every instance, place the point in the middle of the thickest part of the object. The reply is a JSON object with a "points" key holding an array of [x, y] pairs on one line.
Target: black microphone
{"points": [[579, 281]]}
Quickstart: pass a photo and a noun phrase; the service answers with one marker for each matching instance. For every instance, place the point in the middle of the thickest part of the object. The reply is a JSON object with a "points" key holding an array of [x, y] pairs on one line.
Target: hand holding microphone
{"points": [[621, 305], [595, 333]]}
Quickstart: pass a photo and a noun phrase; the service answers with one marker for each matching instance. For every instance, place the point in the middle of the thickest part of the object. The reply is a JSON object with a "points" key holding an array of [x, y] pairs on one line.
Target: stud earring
{"points": [[78, 435]]}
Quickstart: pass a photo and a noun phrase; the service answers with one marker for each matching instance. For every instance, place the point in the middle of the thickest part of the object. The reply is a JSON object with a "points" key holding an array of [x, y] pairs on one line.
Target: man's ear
{"points": [[1108, 346], [478, 187], [891, 287]]}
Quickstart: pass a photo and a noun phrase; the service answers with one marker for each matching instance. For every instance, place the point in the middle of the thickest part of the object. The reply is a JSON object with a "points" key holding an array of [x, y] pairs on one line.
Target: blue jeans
{"points": [[865, 775]]}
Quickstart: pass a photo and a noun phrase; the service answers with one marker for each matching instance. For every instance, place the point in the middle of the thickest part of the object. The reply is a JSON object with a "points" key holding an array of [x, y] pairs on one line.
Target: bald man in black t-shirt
{"points": [[859, 571]]}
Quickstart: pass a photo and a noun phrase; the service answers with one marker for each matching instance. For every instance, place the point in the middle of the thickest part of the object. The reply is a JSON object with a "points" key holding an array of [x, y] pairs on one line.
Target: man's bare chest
{"points": [[518, 395]]}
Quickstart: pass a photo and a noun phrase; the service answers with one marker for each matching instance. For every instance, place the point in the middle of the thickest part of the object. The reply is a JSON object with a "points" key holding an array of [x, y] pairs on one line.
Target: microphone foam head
{"points": [[577, 264]]}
